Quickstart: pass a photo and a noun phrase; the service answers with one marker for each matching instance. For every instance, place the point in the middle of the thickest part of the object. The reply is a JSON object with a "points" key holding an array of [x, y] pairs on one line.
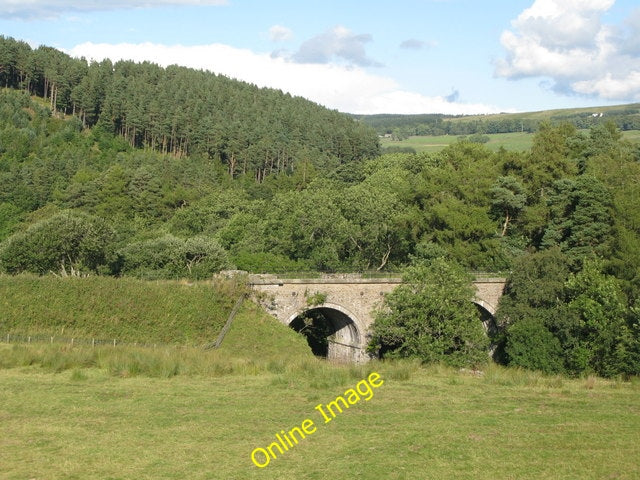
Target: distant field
{"points": [[633, 135], [547, 114], [509, 141]]}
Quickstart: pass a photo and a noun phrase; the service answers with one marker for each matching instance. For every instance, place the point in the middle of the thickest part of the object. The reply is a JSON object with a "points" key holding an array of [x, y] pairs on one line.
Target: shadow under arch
{"points": [[331, 332], [488, 319], [487, 316]]}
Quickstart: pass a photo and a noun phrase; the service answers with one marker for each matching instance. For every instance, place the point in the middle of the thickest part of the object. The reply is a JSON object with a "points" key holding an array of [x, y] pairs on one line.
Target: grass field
{"points": [[508, 141], [548, 114], [431, 423]]}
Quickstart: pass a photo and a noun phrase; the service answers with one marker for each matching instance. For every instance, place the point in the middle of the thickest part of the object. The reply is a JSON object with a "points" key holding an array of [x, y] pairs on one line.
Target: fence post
{"points": [[29, 339], [7, 338], [93, 342], [52, 340], [72, 341], [114, 342]]}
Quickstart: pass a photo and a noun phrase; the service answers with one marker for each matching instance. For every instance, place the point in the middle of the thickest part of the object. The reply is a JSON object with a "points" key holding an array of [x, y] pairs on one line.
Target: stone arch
{"points": [[487, 307], [487, 315], [346, 339]]}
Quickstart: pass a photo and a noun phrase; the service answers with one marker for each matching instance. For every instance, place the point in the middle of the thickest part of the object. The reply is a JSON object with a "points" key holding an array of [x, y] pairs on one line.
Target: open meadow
{"points": [[421, 423]]}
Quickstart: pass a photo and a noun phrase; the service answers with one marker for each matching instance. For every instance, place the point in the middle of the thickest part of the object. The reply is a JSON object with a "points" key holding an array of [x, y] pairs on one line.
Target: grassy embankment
{"points": [[128, 310], [508, 141], [173, 319], [99, 416]]}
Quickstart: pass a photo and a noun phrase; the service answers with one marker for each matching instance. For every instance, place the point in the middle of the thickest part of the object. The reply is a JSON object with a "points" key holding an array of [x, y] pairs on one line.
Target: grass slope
{"points": [[106, 308], [548, 114], [164, 315], [137, 311]]}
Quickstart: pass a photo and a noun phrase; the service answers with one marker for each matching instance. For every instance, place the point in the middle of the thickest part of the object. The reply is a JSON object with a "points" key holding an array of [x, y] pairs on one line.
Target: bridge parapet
{"points": [[345, 279]]}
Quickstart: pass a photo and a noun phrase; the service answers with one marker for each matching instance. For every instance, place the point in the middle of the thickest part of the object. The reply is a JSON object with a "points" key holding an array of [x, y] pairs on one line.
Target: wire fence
{"points": [[15, 338]]}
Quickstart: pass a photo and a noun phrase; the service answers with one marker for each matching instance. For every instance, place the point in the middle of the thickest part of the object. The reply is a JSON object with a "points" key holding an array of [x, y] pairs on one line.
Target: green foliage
{"points": [[431, 317], [556, 321], [10, 216], [307, 225], [531, 345], [69, 243], [266, 262], [316, 299], [624, 117], [182, 111], [507, 199], [599, 339], [171, 257], [184, 173], [581, 218], [376, 236], [479, 138], [530, 308], [536, 283]]}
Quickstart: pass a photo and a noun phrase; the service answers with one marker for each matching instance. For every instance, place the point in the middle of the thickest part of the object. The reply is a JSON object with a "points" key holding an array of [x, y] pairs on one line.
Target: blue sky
{"points": [[405, 56]]}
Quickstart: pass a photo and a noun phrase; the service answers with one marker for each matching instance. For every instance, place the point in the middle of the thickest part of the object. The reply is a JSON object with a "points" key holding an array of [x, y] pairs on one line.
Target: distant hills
{"points": [[626, 117]]}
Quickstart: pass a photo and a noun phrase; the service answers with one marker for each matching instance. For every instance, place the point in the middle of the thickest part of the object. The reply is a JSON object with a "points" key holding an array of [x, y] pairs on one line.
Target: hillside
{"points": [[184, 111], [105, 308], [515, 141]]}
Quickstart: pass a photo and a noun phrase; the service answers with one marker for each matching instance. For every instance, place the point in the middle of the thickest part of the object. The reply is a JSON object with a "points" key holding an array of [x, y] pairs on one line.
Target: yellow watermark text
{"points": [[286, 440]]}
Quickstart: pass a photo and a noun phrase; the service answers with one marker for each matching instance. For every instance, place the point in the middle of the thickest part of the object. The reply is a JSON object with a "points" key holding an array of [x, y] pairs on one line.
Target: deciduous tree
{"points": [[431, 317]]}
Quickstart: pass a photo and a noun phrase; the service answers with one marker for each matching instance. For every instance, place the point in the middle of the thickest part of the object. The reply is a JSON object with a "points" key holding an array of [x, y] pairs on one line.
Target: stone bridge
{"points": [[348, 302]]}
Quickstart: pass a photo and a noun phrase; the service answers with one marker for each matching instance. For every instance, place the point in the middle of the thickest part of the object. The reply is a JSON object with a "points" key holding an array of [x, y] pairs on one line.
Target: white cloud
{"points": [[567, 41], [338, 42], [32, 9], [608, 86], [415, 44], [348, 89], [278, 33]]}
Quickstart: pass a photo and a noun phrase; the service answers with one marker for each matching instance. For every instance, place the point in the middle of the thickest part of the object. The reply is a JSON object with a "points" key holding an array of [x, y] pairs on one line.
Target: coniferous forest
{"points": [[130, 169]]}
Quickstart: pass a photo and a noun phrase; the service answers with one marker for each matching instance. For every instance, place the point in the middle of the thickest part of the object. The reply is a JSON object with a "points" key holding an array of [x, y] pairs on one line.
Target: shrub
{"points": [[431, 317], [171, 257], [69, 243], [531, 345]]}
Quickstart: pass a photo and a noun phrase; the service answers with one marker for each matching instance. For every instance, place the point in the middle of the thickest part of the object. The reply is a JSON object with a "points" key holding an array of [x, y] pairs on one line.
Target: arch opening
{"points": [[330, 333], [490, 327], [487, 318]]}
